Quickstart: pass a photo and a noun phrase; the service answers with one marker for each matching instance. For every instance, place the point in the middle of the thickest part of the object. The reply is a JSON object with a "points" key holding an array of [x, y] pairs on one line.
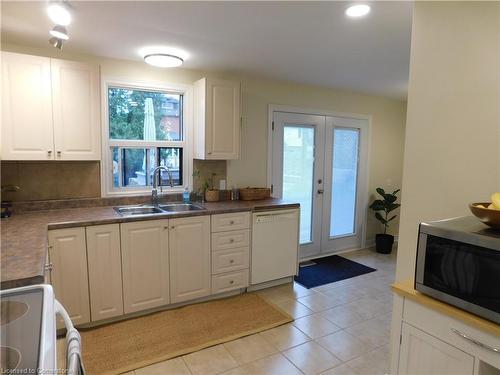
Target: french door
{"points": [[320, 162]]}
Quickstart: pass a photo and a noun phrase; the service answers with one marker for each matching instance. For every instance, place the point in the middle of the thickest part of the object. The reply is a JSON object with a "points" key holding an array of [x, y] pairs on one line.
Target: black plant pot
{"points": [[383, 243]]}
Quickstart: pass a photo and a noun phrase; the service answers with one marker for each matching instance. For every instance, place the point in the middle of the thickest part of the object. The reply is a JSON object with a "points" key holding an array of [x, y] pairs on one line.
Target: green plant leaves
{"points": [[392, 207], [380, 218], [385, 205]]}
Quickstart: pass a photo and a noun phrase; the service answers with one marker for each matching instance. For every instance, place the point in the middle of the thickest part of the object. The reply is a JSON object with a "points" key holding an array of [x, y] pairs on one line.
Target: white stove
{"points": [[28, 332]]}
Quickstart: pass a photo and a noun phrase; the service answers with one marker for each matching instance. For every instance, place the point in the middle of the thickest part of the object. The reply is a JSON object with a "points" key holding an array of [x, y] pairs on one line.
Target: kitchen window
{"points": [[145, 127]]}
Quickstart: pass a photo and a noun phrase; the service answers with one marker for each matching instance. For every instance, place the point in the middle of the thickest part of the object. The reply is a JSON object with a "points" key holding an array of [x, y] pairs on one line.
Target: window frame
{"points": [[107, 186]]}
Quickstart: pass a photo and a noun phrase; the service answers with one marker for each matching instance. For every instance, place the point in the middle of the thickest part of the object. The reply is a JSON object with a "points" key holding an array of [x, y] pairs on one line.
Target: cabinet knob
{"points": [[231, 261], [58, 153], [49, 267], [231, 282], [209, 152], [172, 227], [165, 227], [231, 240], [231, 222], [49, 152]]}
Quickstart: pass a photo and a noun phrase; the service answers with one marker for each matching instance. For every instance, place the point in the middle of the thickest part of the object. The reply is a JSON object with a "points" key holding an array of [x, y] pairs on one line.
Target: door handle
{"points": [[320, 191]]}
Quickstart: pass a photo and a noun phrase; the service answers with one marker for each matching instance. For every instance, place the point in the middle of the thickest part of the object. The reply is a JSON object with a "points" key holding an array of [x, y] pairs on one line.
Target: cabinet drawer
{"points": [[450, 330], [225, 222], [230, 260], [229, 281], [230, 240]]}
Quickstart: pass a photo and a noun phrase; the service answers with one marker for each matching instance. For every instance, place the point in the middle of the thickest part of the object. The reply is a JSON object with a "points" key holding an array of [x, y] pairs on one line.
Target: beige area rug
{"points": [[135, 343]]}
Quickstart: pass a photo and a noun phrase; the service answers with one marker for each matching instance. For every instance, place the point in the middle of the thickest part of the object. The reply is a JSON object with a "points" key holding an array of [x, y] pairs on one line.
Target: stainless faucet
{"points": [[156, 177]]}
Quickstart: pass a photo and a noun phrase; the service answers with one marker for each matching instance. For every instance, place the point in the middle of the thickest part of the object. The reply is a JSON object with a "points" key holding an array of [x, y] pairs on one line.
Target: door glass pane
{"points": [[298, 172], [344, 181]]}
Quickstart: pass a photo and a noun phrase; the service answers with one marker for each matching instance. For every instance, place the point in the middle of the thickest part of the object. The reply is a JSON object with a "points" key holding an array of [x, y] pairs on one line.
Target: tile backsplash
{"points": [[203, 171], [51, 180]]}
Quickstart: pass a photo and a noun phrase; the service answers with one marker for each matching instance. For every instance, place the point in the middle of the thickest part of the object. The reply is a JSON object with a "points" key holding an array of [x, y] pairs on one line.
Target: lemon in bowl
{"points": [[488, 212]]}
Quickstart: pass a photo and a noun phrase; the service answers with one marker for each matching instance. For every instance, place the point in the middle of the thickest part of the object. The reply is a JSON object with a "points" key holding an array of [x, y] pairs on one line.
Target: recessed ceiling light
{"points": [[59, 32], [359, 10], [163, 60], [59, 13]]}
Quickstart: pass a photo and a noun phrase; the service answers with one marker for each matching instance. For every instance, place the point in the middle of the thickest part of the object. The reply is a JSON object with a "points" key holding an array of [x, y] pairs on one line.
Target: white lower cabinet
{"points": [[105, 271], [68, 255], [431, 338], [145, 264], [190, 271], [421, 353]]}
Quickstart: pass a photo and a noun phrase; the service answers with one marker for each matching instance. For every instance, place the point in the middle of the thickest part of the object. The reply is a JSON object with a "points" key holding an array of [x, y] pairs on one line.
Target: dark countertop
{"points": [[24, 235]]}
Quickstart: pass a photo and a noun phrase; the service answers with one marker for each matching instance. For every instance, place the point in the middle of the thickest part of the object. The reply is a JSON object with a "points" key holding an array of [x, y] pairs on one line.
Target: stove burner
{"points": [[9, 359], [12, 310]]}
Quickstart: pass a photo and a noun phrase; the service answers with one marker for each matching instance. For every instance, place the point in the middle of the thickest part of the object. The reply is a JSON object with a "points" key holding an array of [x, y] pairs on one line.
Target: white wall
{"points": [[452, 148], [388, 116]]}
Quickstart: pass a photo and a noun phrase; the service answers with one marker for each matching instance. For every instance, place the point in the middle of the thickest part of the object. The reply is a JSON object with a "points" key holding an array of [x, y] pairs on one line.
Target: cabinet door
{"points": [[75, 103], [222, 119], [27, 132], [105, 271], [421, 353], [145, 264], [68, 255], [190, 258]]}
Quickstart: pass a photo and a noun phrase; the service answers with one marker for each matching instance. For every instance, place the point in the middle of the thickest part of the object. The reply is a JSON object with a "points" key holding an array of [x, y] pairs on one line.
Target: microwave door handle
{"points": [[475, 341], [73, 339]]}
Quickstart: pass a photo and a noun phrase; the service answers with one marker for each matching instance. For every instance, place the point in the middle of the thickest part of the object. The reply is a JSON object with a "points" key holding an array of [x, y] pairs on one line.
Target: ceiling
{"points": [[305, 42]]}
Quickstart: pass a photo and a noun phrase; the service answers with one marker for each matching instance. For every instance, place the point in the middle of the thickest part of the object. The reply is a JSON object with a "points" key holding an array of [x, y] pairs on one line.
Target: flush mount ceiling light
{"points": [[357, 11], [163, 60], [163, 57], [56, 42], [59, 13], [59, 32]]}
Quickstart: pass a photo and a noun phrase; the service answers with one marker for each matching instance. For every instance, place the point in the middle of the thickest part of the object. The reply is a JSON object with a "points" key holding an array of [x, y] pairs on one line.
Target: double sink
{"points": [[156, 210]]}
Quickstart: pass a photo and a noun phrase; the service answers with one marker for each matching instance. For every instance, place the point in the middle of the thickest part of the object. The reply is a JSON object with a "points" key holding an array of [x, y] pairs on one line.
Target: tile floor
{"points": [[339, 329]]}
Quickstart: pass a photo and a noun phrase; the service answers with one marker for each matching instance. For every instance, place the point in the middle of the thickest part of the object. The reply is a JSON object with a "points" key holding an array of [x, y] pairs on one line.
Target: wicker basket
{"points": [[212, 195], [254, 194]]}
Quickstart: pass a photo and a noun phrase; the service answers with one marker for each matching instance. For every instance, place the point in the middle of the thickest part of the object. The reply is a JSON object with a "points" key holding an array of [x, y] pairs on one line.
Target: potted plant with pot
{"points": [[382, 208], [211, 193]]}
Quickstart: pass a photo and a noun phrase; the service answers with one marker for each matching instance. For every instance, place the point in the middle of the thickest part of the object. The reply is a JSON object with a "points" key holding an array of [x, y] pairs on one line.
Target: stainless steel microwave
{"points": [[458, 262]]}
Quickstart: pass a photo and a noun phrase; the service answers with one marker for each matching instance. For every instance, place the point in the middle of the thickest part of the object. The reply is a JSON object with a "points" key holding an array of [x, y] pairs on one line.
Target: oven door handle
{"points": [[73, 339]]}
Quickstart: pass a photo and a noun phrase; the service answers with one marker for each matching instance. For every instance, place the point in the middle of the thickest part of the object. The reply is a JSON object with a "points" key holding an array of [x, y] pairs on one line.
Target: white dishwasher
{"points": [[275, 245]]}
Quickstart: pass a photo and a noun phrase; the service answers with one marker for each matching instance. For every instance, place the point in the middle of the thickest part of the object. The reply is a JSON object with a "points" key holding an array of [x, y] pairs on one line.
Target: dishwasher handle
{"points": [[74, 343], [275, 216]]}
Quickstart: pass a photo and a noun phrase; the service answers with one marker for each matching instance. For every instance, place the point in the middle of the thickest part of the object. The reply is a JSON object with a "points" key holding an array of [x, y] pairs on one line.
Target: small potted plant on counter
{"points": [[382, 208], [211, 193]]}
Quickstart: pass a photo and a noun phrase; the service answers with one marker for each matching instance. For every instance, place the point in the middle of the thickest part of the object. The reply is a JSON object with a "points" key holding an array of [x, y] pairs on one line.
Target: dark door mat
{"points": [[330, 269]]}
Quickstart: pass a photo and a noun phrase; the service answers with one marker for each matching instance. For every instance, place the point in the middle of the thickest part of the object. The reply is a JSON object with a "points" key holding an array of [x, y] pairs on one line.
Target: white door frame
{"points": [[364, 175]]}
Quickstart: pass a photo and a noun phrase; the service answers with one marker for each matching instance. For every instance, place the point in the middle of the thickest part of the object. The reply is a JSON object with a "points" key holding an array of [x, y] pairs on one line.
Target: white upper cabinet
{"points": [[50, 109], [26, 108], [75, 102], [217, 119]]}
